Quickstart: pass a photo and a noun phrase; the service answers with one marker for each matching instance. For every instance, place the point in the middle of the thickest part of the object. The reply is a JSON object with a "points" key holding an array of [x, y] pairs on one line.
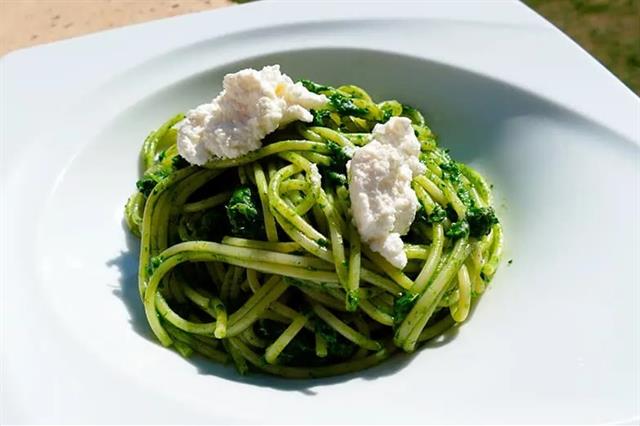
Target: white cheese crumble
{"points": [[382, 201], [251, 105]]}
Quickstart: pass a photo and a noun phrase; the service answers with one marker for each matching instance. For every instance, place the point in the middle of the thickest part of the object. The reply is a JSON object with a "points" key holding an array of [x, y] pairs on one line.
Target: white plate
{"points": [[556, 339]]}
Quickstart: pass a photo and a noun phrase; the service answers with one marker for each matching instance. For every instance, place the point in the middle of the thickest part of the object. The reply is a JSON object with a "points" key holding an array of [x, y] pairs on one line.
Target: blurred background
{"points": [[608, 29]]}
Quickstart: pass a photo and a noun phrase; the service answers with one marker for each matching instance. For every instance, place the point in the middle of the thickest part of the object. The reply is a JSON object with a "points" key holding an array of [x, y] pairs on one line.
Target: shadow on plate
{"points": [[127, 291]]}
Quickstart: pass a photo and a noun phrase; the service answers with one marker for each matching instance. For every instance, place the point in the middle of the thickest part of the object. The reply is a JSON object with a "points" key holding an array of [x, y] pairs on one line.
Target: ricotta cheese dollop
{"points": [[382, 201], [251, 105]]}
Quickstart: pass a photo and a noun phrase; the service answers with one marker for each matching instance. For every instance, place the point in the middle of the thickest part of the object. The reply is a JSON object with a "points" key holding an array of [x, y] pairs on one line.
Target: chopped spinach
{"points": [[402, 306], [458, 230], [243, 212], [480, 219], [345, 106]]}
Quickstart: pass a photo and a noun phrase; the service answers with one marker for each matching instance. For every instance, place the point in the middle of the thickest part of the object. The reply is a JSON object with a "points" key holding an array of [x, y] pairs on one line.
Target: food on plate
{"points": [[305, 230]]}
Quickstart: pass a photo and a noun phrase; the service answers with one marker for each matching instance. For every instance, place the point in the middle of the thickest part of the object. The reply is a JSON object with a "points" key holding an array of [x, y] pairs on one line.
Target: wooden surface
{"points": [[25, 23], [608, 29]]}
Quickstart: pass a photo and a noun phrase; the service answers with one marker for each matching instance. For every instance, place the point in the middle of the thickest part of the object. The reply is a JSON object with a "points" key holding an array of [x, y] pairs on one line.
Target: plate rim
{"points": [[42, 54]]}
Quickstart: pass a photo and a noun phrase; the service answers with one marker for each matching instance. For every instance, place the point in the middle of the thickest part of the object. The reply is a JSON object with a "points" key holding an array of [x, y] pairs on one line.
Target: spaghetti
{"points": [[251, 260]]}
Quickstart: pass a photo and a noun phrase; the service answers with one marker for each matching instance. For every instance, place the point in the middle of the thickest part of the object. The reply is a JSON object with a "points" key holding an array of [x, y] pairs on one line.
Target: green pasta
{"points": [[250, 261]]}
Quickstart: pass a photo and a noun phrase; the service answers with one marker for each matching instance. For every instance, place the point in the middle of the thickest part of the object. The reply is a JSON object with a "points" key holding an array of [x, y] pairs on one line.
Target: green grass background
{"points": [[608, 29]]}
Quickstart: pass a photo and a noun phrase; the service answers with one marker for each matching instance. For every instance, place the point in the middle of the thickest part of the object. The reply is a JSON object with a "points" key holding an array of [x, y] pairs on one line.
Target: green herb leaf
{"points": [[315, 87]]}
